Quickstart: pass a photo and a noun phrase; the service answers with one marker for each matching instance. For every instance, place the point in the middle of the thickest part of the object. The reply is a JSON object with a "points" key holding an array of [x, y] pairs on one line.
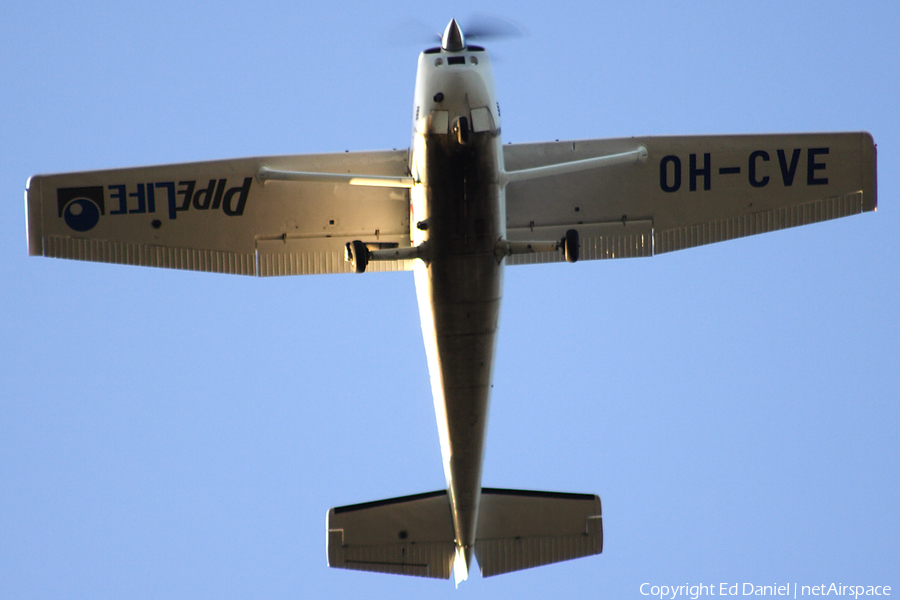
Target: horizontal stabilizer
{"points": [[520, 529], [412, 535]]}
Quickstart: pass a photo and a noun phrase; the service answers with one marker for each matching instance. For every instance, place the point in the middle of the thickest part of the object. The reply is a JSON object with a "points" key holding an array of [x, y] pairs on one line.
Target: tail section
{"points": [[413, 535], [519, 529]]}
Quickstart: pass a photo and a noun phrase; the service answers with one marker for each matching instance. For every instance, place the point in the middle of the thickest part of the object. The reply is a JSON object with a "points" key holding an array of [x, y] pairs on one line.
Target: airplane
{"points": [[454, 208]]}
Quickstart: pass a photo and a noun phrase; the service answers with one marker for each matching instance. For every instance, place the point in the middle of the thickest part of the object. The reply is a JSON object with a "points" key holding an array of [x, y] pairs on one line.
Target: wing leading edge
{"points": [[692, 190], [222, 216]]}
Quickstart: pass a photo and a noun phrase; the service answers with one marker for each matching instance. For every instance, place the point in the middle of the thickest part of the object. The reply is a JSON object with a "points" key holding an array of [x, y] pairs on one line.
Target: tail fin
{"points": [[519, 529], [412, 535]]}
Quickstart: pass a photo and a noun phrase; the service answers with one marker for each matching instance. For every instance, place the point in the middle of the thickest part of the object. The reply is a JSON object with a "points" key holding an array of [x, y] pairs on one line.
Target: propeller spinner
{"points": [[453, 39]]}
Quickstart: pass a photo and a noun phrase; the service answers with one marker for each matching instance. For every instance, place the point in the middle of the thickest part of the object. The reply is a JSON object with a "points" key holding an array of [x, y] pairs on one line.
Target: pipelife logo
{"points": [[81, 207]]}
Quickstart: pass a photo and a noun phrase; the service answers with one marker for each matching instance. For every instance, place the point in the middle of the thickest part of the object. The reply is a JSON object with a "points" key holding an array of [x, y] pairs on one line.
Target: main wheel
{"points": [[357, 255], [571, 245]]}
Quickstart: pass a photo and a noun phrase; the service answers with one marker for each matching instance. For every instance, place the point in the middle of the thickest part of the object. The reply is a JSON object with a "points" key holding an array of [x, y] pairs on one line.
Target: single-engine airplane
{"points": [[454, 208]]}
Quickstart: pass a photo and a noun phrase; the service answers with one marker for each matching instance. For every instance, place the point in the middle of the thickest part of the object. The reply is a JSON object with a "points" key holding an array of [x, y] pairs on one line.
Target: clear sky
{"points": [[170, 434]]}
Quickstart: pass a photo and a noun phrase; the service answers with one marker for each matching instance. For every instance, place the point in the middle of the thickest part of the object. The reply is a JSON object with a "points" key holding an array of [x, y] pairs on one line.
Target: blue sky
{"points": [[178, 434]]}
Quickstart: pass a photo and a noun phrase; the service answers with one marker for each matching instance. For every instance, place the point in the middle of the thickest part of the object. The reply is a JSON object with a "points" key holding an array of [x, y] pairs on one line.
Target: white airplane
{"points": [[454, 209]]}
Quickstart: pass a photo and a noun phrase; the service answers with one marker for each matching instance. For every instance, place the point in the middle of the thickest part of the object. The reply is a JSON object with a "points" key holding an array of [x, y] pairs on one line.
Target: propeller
{"points": [[479, 26], [407, 32], [482, 26]]}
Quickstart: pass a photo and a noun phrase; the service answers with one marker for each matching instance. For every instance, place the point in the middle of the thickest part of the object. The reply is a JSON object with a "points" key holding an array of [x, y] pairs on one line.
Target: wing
{"points": [[689, 191], [221, 216]]}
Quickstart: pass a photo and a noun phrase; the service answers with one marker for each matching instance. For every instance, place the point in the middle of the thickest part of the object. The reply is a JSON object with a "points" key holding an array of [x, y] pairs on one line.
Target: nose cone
{"points": [[453, 40]]}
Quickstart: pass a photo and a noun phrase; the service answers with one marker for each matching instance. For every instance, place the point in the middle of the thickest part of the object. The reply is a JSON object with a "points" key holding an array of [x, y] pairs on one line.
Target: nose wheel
{"points": [[461, 130]]}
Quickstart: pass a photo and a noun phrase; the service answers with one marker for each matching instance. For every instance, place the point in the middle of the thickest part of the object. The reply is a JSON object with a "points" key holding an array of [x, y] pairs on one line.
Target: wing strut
{"points": [[265, 174], [639, 154]]}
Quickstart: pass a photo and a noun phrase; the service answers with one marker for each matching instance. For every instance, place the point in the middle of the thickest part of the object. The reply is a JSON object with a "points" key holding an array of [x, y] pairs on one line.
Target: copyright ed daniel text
{"points": [[791, 590]]}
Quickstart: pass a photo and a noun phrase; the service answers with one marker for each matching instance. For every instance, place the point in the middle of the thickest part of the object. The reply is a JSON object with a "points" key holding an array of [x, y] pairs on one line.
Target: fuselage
{"points": [[458, 212]]}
